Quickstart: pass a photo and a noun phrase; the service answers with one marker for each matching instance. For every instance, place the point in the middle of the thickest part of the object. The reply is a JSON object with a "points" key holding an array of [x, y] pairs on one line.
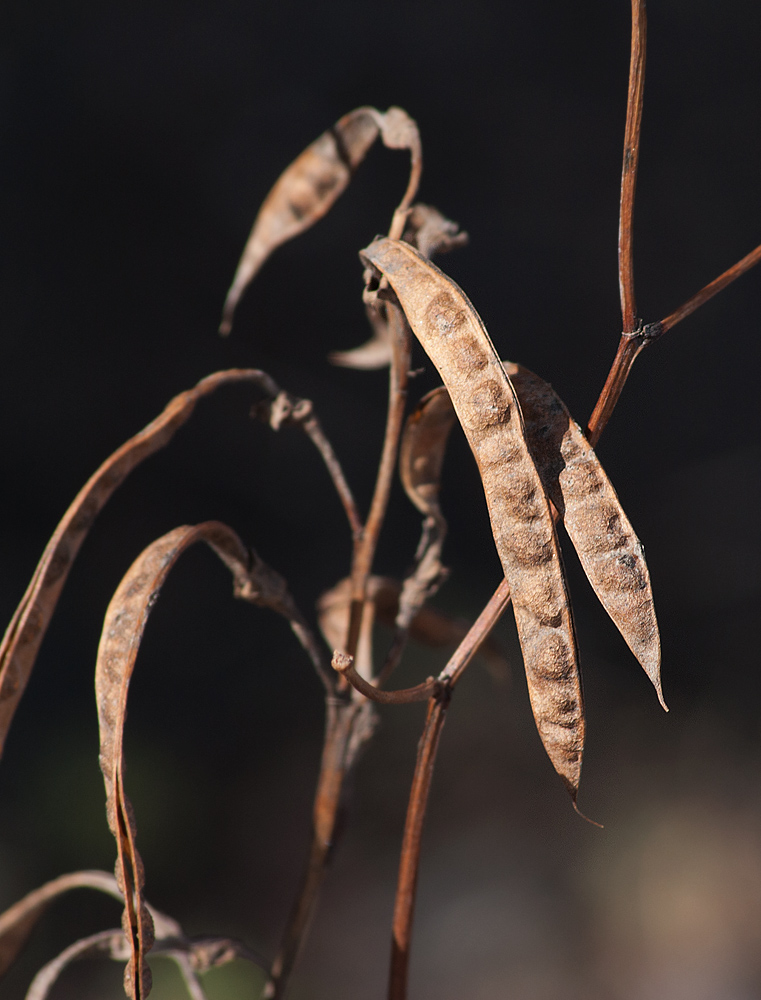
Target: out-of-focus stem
{"points": [[410, 859]]}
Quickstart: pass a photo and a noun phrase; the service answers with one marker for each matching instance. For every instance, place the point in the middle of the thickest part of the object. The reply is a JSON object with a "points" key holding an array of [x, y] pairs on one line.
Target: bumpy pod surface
{"points": [[454, 337]]}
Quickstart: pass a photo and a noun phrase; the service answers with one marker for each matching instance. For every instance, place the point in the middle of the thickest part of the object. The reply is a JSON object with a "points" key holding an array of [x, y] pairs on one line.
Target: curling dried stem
{"points": [[314, 429], [344, 664], [631, 161], [287, 409]]}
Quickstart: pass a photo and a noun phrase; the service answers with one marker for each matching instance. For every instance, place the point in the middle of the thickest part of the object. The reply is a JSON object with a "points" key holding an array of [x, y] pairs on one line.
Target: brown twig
{"points": [[635, 335], [631, 345], [364, 551], [404, 907], [287, 409], [631, 161], [628, 349], [478, 633], [348, 725], [409, 863], [710, 290], [344, 665]]}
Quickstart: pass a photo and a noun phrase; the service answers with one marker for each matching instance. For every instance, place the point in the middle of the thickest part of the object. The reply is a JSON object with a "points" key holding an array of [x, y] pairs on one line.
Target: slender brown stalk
{"points": [[628, 349], [635, 336], [287, 409], [404, 907], [631, 161], [710, 290], [364, 551], [347, 726], [344, 664], [477, 633], [631, 345], [314, 429]]}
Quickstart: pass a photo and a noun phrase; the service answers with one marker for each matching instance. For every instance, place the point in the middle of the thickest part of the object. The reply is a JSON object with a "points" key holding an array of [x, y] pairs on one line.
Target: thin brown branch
{"points": [[628, 349], [478, 633], [347, 727], [404, 907], [344, 665], [631, 160], [364, 551], [710, 290], [631, 345], [286, 409], [314, 429]]}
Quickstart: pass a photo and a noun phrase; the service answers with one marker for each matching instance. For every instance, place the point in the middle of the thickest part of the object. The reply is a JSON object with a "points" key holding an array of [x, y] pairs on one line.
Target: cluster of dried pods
{"points": [[536, 466]]}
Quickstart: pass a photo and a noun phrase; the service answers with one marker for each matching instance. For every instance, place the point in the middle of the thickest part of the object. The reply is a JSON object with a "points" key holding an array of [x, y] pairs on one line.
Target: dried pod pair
{"points": [[518, 495]]}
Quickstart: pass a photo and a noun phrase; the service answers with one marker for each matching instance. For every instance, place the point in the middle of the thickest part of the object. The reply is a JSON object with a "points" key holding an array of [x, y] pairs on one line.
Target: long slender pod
{"points": [[454, 337]]}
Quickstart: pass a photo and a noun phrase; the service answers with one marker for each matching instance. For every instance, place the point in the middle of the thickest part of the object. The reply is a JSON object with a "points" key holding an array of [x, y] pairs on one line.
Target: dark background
{"points": [[137, 141]]}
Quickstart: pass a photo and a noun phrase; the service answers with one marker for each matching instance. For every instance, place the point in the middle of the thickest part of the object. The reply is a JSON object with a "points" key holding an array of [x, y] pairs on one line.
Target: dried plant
{"points": [[536, 465]]}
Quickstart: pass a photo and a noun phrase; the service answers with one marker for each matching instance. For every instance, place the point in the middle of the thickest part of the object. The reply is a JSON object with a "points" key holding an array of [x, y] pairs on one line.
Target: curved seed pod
{"points": [[123, 629], [453, 336], [18, 921], [609, 550], [311, 185], [191, 957], [27, 628], [576, 483]]}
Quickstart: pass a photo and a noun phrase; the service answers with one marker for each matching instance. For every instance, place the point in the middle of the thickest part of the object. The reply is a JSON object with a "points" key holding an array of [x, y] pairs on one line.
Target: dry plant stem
{"points": [[631, 345], [314, 429], [364, 551], [636, 337], [344, 665], [710, 290], [404, 907], [337, 757], [342, 717], [631, 160], [413, 829], [628, 349], [478, 633]]}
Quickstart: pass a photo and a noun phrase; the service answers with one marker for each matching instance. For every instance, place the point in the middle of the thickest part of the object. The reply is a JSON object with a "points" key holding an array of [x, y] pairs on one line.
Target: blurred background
{"points": [[138, 140]]}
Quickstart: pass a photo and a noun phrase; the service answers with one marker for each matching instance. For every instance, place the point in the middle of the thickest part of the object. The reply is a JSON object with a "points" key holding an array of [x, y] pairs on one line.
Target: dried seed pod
{"points": [[190, 956], [123, 629], [452, 334], [27, 628], [310, 186], [576, 483]]}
